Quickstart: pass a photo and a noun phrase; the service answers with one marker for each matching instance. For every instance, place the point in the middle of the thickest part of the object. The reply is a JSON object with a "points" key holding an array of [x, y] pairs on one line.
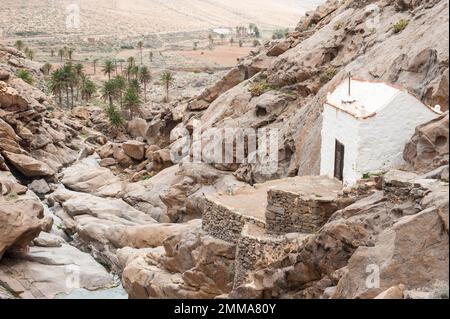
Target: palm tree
{"points": [[46, 68], [79, 75], [131, 101], [95, 65], [57, 83], [256, 32], [30, 54], [70, 79], [19, 45], [135, 72], [211, 41], [141, 46], [121, 85], [128, 72], [61, 54], [131, 61], [115, 118], [135, 85], [144, 77], [108, 68], [70, 53], [88, 88], [109, 92], [52, 53], [167, 79]]}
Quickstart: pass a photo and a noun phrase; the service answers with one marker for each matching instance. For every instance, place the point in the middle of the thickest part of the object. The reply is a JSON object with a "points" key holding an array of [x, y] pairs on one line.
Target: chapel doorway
{"points": [[339, 161]]}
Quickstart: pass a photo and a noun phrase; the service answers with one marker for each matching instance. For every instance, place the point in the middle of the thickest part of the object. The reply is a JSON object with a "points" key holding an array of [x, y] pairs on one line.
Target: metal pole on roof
{"points": [[349, 84]]}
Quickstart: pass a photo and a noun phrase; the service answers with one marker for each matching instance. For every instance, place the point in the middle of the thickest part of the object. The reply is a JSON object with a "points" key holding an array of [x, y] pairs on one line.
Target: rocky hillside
{"points": [[74, 200], [295, 75]]}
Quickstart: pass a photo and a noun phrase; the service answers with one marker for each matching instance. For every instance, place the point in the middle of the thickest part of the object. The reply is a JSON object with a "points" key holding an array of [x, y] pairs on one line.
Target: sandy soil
{"points": [[225, 56]]}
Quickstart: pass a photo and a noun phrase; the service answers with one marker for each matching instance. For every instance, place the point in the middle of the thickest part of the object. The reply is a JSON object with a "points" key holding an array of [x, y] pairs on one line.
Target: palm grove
{"points": [[124, 92]]}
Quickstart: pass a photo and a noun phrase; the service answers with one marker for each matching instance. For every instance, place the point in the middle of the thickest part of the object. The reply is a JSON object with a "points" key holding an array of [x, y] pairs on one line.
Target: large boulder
{"points": [[21, 220], [29, 166], [190, 265], [134, 149], [87, 176], [11, 100], [429, 147], [55, 272], [97, 224], [137, 127], [414, 252]]}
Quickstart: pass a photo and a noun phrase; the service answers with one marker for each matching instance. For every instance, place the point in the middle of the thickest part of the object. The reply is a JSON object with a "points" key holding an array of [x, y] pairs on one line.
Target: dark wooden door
{"points": [[339, 161]]}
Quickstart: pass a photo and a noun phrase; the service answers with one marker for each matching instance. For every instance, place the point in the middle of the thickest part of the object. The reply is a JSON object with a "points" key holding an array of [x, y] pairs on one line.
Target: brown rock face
{"points": [[191, 265], [233, 78], [279, 48], [11, 100], [29, 166], [134, 149], [21, 220], [429, 147], [414, 253]]}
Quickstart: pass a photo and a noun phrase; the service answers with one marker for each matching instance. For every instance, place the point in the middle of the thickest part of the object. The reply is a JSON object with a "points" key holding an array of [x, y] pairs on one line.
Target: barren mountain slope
{"points": [[125, 17]]}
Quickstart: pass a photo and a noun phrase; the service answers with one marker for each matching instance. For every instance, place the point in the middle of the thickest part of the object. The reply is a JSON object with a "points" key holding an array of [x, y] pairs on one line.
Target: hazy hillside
{"points": [[129, 17]]}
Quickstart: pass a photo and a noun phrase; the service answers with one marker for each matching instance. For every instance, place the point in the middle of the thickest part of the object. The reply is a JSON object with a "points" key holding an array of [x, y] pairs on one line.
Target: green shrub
{"points": [[115, 116], [12, 196], [280, 34], [400, 25], [328, 74], [25, 76], [338, 25], [259, 88]]}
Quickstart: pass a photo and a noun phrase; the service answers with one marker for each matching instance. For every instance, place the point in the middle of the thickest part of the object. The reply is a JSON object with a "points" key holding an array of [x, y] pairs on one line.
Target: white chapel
{"points": [[366, 126]]}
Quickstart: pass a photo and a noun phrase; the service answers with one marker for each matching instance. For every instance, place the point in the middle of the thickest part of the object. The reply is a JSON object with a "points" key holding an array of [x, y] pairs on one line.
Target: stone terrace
{"points": [[301, 206], [259, 219]]}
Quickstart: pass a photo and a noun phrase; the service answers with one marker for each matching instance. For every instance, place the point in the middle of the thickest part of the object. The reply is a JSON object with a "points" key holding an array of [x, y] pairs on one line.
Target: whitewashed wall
{"points": [[384, 136], [345, 128]]}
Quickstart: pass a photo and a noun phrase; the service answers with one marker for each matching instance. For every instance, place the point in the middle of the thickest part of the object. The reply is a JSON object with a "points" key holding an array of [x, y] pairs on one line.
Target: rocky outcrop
{"points": [[29, 166], [21, 218], [87, 176], [414, 252], [371, 237], [429, 147], [328, 43], [176, 193], [190, 265], [134, 149], [56, 272], [33, 141]]}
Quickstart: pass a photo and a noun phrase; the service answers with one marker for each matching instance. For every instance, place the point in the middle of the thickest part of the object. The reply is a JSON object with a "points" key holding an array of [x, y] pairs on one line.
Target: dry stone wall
{"points": [[289, 212], [225, 223], [256, 250]]}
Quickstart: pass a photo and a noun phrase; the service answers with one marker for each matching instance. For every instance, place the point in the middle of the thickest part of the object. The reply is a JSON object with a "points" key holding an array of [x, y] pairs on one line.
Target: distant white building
{"points": [[366, 126], [222, 31]]}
